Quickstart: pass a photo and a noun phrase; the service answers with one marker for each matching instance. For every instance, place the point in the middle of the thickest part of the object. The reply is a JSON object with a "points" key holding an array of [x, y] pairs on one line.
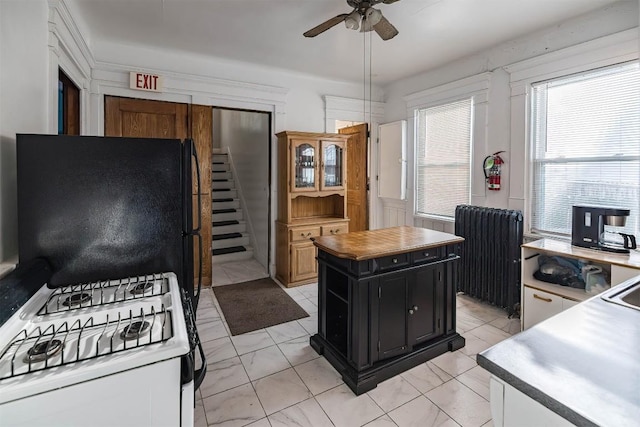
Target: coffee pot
{"points": [[616, 240]]}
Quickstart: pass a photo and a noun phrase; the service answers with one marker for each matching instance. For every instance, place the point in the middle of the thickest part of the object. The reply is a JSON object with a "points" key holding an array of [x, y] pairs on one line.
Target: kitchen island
{"points": [[579, 367], [386, 301]]}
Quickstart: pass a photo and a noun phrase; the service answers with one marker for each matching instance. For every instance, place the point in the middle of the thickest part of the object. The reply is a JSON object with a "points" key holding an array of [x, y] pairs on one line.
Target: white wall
{"points": [[24, 95], [246, 135], [612, 19]]}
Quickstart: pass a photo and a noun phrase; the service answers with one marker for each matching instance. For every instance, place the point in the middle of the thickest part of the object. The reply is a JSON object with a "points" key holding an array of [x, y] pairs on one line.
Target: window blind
{"points": [[586, 146], [443, 152]]}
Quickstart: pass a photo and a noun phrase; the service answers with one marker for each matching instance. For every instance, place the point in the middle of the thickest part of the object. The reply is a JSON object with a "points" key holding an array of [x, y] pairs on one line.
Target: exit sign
{"points": [[143, 81]]}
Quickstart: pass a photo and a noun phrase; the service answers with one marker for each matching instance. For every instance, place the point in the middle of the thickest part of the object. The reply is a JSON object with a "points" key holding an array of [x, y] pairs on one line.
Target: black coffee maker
{"points": [[588, 229]]}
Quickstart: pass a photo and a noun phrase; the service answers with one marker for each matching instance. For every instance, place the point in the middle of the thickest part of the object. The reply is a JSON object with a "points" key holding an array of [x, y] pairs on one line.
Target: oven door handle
{"points": [[199, 374]]}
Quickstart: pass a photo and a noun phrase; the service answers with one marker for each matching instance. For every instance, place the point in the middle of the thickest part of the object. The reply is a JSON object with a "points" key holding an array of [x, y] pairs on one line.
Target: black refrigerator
{"points": [[98, 208]]}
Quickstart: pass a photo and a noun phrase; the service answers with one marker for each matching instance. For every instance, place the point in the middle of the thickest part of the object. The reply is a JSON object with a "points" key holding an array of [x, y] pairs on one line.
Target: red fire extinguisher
{"points": [[492, 166]]}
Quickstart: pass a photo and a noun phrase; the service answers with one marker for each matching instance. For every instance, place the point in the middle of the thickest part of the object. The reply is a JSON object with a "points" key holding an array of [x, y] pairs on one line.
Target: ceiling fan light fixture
{"points": [[352, 21], [373, 16], [370, 18]]}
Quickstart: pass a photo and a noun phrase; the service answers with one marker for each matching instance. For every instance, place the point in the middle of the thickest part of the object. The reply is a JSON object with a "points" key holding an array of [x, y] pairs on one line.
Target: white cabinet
{"points": [[541, 300], [539, 305], [619, 274], [511, 407]]}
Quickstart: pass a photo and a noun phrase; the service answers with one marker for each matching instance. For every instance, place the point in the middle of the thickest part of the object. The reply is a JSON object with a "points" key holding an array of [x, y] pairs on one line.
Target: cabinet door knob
{"points": [[536, 296], [308, 234], [337, 230], [411, 311], [415, 308], [394, 260], [426, 254]]}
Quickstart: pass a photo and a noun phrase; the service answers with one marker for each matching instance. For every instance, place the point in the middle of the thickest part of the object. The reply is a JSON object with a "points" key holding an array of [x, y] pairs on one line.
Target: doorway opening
{"points": [[68, 106], [241, 194]]}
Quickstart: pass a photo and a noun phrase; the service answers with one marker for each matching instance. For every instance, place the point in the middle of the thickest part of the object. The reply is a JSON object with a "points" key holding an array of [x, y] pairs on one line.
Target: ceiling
{"points": [[269, 32]]}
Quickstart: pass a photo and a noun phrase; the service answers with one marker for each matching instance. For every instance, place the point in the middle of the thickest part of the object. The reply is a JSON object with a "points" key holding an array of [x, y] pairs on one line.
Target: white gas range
{"points": [[112, 353]]}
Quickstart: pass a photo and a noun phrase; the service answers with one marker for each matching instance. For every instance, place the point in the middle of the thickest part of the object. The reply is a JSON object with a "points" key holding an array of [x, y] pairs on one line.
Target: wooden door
{"points": [[357, 192], [140, 118]]}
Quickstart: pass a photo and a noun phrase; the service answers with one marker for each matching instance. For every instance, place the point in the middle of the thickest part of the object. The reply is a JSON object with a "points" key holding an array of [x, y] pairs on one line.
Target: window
{"points": [[585, 133], [443, 153]]}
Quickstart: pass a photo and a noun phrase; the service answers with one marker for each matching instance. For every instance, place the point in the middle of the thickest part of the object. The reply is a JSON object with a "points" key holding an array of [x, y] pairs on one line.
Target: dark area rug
{"points": [[256, 305]]}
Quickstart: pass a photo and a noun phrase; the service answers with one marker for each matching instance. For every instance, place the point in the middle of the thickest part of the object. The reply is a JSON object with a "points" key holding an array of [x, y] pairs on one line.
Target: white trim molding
{"points": [[113, 79], [68, 51], [477, 85], [612, 49], [352, 110]]}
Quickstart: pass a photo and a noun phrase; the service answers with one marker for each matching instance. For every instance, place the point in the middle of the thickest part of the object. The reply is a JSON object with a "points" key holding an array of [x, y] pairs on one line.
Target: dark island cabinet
{"points": [[407, 303], [381, 316]]}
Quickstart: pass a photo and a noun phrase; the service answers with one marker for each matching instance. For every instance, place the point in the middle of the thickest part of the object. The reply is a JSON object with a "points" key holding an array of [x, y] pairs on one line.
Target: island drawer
{"points": [[428, 255], [392, 261]]}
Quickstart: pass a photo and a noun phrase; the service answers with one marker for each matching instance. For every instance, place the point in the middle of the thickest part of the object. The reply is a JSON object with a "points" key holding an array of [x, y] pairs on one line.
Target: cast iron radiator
{"points": [[489, 267]]}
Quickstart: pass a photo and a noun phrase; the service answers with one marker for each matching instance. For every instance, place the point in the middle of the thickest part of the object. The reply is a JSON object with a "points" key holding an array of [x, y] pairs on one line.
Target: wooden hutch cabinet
{"points": [[312, 200]]}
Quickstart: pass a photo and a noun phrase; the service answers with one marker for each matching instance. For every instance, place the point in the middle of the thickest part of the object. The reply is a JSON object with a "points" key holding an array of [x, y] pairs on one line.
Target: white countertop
{"points": [[560, 247], [581, 364]]}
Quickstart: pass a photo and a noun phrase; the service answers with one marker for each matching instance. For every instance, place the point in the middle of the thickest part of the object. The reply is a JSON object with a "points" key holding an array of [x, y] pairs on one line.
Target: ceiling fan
{"points": [[363, 13]]}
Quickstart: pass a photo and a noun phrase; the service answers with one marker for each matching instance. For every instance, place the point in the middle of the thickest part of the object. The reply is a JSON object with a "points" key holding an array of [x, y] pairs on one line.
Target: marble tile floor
{"points": [[237, 272], [272, 377]]}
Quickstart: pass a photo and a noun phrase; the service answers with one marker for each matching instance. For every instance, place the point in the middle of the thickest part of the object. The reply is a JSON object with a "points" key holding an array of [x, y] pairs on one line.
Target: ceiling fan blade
{"points": [[385, 29], [326, 25], [389, 1]]}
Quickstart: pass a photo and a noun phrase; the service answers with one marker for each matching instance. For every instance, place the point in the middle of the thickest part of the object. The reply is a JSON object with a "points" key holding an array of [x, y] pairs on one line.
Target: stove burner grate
{"points": [[106, 292], [76, 340], [76, 299], [135, 330], [141, 288], [43, 350]]}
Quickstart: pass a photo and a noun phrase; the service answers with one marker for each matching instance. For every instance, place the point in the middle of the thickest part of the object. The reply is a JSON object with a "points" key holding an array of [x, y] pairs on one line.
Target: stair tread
{"points": [[219, 211], [221, 189], [229, 250], [223, 223], [226, 236], [220, 180], [222, 200]]}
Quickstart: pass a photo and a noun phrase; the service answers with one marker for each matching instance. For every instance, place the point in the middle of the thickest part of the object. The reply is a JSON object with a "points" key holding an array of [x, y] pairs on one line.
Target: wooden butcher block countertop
{"points": [[369, 244]]}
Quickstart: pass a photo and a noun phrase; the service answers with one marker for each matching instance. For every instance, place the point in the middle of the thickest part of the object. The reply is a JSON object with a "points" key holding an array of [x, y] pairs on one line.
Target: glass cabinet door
{"points": [[304, 158], [332, 165]]}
